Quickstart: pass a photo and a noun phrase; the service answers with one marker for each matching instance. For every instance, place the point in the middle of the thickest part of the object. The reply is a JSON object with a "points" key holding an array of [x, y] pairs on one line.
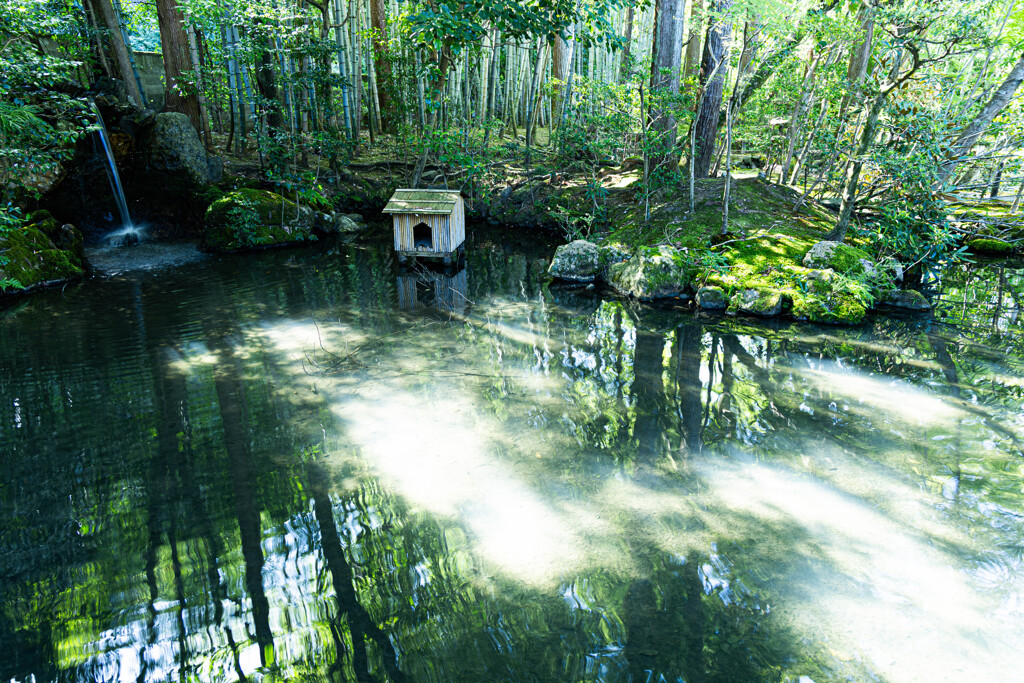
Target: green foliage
{"points": [[9, 222], [599, 119], [39, 122], [245, 222]]}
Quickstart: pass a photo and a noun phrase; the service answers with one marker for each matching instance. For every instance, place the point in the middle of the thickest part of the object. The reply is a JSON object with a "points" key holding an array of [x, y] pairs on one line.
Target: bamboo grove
{"points": [[896, 104]]}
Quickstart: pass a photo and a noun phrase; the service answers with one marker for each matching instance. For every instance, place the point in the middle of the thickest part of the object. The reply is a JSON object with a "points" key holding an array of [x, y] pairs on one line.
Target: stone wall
{"points": [[150, 66]]}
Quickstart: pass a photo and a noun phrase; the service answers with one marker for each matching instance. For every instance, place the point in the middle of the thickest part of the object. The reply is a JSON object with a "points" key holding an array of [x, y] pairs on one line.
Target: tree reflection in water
{"points": [[273, 469]]}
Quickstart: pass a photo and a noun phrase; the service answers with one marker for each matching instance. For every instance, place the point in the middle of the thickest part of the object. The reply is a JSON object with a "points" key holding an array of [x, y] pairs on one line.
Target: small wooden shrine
{"points": [[428, 224]]}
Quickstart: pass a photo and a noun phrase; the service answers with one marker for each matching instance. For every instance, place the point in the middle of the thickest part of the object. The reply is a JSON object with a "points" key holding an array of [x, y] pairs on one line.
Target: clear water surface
{"points": [[312, 466]]}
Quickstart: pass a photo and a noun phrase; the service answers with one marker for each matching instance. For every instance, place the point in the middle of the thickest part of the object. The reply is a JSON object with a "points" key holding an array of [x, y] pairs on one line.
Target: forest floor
{"points": [[506, 183]]}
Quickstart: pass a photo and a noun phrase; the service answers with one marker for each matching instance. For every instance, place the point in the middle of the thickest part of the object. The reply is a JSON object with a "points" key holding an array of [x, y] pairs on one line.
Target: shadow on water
{"points": [[319, 467]]}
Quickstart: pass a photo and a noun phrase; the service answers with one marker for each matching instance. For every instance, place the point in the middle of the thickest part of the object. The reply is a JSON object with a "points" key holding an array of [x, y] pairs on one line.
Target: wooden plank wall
{"points": [[449, 231]]}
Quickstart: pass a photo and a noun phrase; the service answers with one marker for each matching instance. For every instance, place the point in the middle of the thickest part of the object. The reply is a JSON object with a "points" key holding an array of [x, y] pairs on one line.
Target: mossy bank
{"points": [[774, 260], [39, 253]]}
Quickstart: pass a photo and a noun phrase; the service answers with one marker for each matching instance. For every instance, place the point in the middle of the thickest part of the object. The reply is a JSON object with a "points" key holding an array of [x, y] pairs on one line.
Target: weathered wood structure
{"points": [[428, 224]]}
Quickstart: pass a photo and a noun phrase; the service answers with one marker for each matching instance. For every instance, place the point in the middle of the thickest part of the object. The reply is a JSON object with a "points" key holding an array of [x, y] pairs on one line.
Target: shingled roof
{"points": [[422, 201]]}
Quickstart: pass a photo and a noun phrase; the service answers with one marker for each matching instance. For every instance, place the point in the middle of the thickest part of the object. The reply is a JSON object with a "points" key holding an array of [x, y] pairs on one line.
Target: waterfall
{"points": [[129, 233]]}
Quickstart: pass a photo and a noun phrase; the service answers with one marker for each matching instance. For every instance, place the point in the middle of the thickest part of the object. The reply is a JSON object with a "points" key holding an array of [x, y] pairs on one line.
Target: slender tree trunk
{"points": [[973, 132], [120, 50], [96, 40], [382, 65], [627, 44], [204, 116], [851, 184], [561, 60], [799, 109], [534, 94], [691, 67], [713, 68], [860, 54], [179, 94], [665, 64]]}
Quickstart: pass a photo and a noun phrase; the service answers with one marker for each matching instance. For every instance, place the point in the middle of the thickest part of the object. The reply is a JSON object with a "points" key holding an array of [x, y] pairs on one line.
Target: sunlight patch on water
{"points": [[874, 585], [880, 395], [431, 447]]}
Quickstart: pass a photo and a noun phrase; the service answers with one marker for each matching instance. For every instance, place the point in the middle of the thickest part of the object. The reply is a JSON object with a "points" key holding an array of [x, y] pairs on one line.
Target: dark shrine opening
{"points": [[422, 236], [425, 293]]}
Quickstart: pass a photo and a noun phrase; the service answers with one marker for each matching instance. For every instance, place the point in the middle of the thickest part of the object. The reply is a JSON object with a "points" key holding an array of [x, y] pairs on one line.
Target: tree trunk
{"points": [[691, 68], [120, 50], [799, 110], [204, 117], [381, 64], [712, 70], [970, 135], [666, 54], [838, 233], [561, 60], [266, 83], [179, 94], [627, 43], [859, 57], [96, 40]]}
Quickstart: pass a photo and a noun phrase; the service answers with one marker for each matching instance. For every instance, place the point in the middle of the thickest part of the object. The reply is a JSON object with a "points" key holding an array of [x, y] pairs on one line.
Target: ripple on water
{"points": [[143, 257]]}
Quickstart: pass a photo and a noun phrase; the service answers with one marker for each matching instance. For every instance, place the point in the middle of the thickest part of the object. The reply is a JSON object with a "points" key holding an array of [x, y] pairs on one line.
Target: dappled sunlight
{"points": [[433, 449], [873, 585], [889, 399]]}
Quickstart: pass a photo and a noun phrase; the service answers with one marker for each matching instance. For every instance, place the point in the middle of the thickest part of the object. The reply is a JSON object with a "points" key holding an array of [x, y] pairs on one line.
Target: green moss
{"points": [[840, 257], [31, 259], [611, 253], [247, 219], [756, 300], [835, 308], [990, 246]]}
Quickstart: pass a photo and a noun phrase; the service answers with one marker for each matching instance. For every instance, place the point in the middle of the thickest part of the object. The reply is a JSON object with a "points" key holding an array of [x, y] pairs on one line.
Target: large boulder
{"points": [[255, 219], [41, 253], [171, 148], [578, 261], [652, 273]]}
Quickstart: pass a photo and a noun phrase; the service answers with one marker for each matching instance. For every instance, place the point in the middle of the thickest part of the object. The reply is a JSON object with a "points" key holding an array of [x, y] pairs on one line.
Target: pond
{"points": [[314, 466]]}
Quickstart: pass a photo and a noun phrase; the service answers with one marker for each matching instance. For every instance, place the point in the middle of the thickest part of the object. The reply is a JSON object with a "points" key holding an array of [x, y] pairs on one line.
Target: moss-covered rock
{"points": [[712, 298], [905, 298], [29, 258], [578, 261], [612, 253], [840, 257], [761, 302], [255, 219], [63, 235], [652, 273], [836, 307], [993, 247]]}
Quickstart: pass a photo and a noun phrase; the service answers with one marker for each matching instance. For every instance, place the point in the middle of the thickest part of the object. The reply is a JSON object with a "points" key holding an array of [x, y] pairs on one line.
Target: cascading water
{"points": [[129, 233]]}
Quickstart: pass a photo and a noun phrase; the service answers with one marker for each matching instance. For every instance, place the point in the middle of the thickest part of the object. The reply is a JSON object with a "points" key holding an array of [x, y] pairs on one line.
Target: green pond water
{"points": [[311, 466]]}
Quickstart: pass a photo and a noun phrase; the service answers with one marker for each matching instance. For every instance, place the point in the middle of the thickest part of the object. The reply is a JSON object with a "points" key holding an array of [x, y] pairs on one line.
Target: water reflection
{"points": [[423, 287], [286, 467]]}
